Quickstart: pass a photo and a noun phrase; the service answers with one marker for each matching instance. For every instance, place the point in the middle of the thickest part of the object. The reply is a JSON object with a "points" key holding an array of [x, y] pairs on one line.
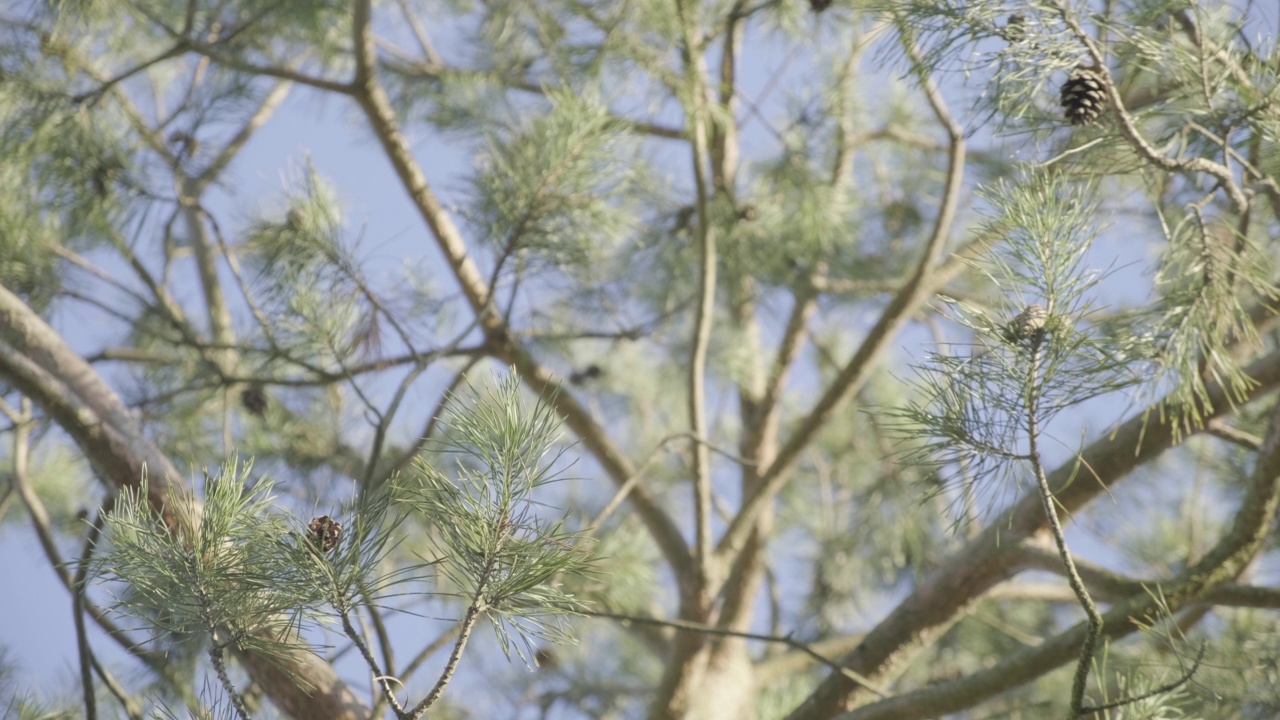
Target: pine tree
{"points": [[784, 359]]}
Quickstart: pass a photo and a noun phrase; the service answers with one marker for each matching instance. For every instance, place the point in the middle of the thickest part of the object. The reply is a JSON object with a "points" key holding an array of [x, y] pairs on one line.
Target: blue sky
{"points": [[34, 617]]}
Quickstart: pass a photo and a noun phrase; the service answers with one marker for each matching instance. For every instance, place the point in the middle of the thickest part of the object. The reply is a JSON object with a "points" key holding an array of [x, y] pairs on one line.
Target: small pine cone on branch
{"points": [[1083, 96], [324, 532], [1015, 28], [254, 400], [819, 5], [1028, 324]]}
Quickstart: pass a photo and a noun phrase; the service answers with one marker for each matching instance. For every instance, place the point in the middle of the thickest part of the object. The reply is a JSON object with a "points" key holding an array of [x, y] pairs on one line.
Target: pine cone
{"points": [[590, 372], [819, 5], [1083, 96], [1015, 28], [1028, 324], [324, 531], [254, 400]]}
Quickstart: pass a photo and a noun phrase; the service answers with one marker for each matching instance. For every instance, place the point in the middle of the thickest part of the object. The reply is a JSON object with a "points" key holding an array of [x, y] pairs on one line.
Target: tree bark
{"points": [[34, 357]]}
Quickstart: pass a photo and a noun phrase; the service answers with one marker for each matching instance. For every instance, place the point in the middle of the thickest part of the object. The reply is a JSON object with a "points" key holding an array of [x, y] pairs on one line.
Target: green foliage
{"points": [[1211, 275], [213, 569], [1162, 706], [62, 482], [971, 413], [631, 583], [577, 211], [546, 191], [67, 177], [306, 241], [355, 572], [804, 224], [493, 543], [236, 569], [309, 280], [1242, 674]]}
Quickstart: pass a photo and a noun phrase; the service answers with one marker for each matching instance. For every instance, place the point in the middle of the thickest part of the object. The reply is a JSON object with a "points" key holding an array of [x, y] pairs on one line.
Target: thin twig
{"points": [[213, 52], [1220, 429], [380, 677], [420, 34], [1094, 631], [625, 488], [10, 494], [270, 103], [233, 262], [433, 420], [96, 93], [430, 649], [384, 639], [793, 338], [77, 611], [474, 611], [788, 640], [1167, 687], [384, 422], [80, 588], [21, 454], [216, 647]]}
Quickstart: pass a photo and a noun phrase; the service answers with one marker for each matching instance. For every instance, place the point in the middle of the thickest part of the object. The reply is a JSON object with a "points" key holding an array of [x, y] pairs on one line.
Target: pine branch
{"points": [[1233, 552], [990, 558], [798, 661], [1166, 688], [696, 112], [39, 364], [379, 676], [1129, 128], [216, 647], [810, 650], [438, 70], [376, 105], [96, 94], [215, 53], [430, 649], [1114, 587], [372, 483], [1094, 627], [696, 588], [474, 611]]}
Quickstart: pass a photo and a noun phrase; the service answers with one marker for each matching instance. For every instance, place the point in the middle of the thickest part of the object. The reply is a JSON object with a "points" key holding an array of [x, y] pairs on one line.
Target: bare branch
{"points": [[270, 103], [93, 95], [808, 649], [1114, 587], [695, 71], [859, 368]]}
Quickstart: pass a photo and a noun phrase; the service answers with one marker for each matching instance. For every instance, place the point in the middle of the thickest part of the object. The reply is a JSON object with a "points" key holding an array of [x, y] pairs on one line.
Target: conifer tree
{"points": [[734, 360]]}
